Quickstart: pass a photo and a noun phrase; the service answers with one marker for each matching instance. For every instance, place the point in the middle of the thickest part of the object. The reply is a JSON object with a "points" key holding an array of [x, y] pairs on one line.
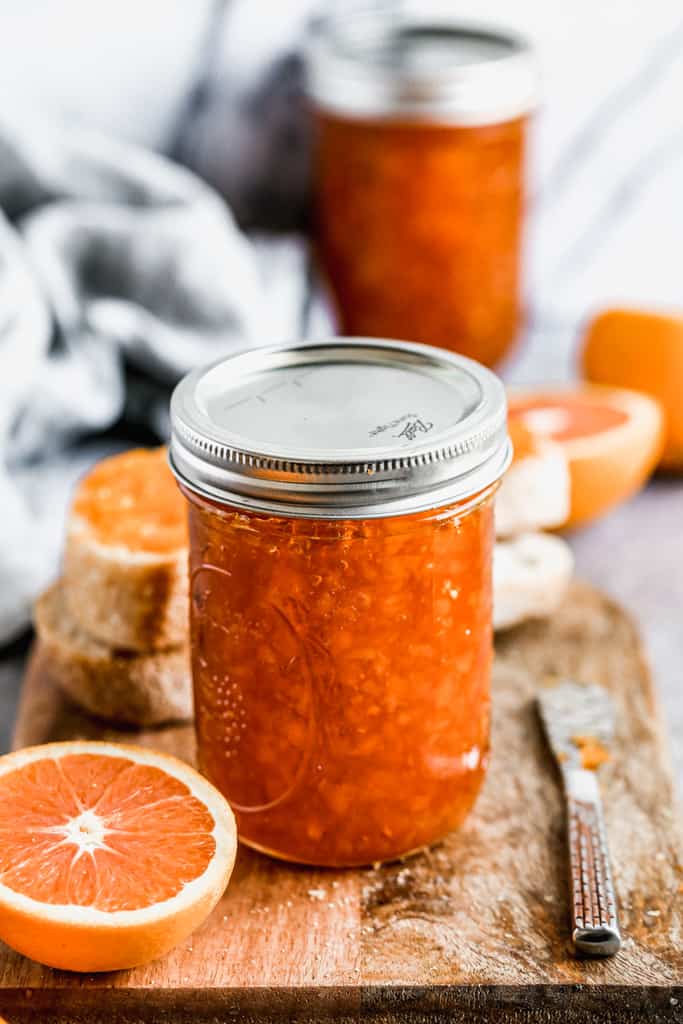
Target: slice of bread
{"points": [[535, 491], [531, 575], [121, 686], [125, 561]]}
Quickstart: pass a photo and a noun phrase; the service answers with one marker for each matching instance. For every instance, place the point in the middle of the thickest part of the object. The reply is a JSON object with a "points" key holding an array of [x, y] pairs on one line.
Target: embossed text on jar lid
{"points": [[394, 60], [347, 427]]}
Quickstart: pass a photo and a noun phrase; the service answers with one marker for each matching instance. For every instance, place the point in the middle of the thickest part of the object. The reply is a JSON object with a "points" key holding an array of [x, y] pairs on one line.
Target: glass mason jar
{"points": [[341, 531], [421, 129]]}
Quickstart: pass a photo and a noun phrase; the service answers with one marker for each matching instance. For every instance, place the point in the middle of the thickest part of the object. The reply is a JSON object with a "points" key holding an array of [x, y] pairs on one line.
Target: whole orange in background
{"points": [[635, 349], [109, 855], [611, 438]]}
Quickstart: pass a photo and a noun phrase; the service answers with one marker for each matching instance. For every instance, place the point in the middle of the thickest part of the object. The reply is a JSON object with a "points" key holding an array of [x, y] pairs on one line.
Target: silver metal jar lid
{"points": [[390, 61], [348, 428]]}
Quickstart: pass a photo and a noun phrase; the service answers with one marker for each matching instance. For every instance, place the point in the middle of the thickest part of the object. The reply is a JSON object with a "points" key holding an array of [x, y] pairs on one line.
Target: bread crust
{"points": [[114, 684], [126, 599]]}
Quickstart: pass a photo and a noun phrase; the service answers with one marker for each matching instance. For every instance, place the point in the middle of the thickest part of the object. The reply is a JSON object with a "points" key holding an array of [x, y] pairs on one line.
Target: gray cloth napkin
{"points": [[115, 264]]}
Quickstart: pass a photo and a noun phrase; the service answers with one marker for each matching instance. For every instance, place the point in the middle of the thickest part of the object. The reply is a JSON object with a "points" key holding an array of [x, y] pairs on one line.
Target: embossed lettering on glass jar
{"points": [[421, 130], [340, 504]]}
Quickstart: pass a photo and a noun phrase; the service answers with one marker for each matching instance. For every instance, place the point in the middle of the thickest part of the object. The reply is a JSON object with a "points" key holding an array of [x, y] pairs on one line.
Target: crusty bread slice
{"points": [[135, 600], [122, 686], [125, 561], [535, 491], [531, 575]]}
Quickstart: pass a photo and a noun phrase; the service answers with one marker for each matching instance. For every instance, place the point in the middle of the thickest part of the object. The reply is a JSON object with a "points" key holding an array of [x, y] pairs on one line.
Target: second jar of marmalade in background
{"points": [[341, 532], [421, 129]]}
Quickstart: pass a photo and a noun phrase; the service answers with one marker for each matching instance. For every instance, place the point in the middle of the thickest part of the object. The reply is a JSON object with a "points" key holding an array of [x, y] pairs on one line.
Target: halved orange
{"points": [[633, 348], [612, 439], [132, 500], [109, 854]]}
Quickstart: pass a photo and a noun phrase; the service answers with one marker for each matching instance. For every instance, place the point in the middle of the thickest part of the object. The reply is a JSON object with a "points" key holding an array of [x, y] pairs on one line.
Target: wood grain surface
{"points": [[475, 929]]}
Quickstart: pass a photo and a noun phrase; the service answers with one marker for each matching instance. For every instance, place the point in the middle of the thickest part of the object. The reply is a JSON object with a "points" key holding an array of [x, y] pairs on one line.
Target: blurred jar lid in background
{"points": [[400, 60]]}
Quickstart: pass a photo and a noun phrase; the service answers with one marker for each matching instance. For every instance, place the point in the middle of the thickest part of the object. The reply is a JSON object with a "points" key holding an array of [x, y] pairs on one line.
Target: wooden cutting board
{"points": [[473, 930]]}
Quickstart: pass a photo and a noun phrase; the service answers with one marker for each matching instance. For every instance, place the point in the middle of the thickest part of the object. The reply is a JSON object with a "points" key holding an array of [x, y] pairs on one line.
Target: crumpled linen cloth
{"points": [[115, 264]]}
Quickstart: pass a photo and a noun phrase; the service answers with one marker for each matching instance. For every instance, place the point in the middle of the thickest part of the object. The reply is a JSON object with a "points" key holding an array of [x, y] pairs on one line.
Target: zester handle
{"points": [[595, 928]]}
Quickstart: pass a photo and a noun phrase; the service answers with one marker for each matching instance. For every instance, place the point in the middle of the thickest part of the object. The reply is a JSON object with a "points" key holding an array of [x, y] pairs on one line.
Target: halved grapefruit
{"points": [[109, 855], [633, 348], [612, 439]]}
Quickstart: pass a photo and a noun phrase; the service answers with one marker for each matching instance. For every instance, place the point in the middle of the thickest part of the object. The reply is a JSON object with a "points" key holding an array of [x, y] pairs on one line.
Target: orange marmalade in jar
{"points": [[341, 531], [421, 128]]}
